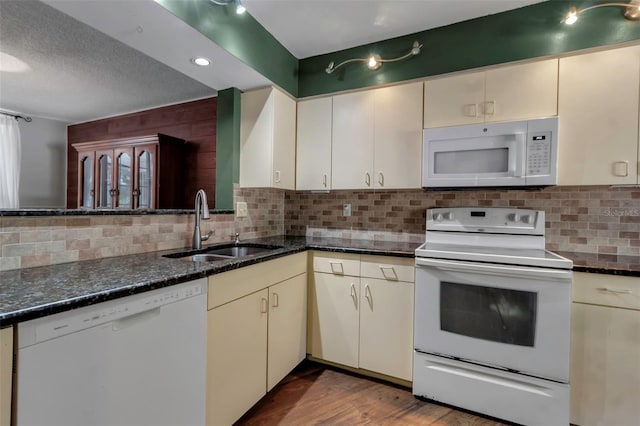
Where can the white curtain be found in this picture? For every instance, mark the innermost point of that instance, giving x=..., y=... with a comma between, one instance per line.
x=9, y=162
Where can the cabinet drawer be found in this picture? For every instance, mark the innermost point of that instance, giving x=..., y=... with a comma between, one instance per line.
x=607, y=290
x=337, y=263
x=388, y=268
x=228, y=286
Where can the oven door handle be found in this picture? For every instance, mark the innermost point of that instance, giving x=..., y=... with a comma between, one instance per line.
x=506, y=270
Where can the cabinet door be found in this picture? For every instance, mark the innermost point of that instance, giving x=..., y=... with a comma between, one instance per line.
x=284, y=141
x=520, y=92
x=334, y=318
x=386, y=327
x=598, y=111
x=6, y=369
x=124, y=177
x=452, y=101
x=145, y=182
x=256, y=138
x=287, y=328
x=237, y=357
x=313, y=159
x=398, y=136
x=352, y=151
x=605, y=366
x=86, y=176
x=104, y=179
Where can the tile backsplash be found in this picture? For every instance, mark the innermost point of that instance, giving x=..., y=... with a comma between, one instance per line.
x=46, y=240
x=595, y=219
x=589, y=219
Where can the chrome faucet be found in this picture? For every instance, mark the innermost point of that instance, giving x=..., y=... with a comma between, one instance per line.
x=201, y=207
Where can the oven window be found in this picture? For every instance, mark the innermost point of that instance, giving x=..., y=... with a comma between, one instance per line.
x=488, y=313
x=490, y=160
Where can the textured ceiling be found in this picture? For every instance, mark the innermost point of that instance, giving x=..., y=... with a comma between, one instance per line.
x=315, y=27
x=75, y=73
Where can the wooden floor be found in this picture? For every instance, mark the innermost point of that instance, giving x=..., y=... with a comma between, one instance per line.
x=315, y=394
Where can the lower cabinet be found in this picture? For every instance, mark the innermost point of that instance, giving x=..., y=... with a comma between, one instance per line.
x=256, y=333
x=6, y=369
x=605, y=350
x=361, y=312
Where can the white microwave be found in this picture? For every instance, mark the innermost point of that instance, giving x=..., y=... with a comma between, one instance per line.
x=517, y=153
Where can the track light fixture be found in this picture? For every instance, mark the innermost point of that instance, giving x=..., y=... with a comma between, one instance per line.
x=374, y=61
x=631, y=13
x=240, y=9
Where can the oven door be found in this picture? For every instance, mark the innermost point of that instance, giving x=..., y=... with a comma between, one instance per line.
x=511, y=317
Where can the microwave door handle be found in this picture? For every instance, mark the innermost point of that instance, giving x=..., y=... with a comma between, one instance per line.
x=504, y=270
x=520, y=155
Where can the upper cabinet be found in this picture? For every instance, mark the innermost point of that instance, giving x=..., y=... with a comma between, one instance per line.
x=132, y=173
x=598, y=110
x=313, y=158
x=377, y=138
x=267, y=139
x=516, y=92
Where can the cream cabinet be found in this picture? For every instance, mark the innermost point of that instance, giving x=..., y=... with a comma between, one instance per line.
x=377, y=138
x=267, y=139
x=515, y=92
x=361, y=312
x=313, y=144
x=6, y=369
x=605, y=350
x=256, y=333
x=598, y=110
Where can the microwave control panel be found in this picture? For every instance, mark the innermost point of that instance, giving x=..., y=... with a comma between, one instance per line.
x=539, y=154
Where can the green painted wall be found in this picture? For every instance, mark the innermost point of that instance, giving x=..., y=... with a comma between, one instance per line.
x=242, y=36
x=227, y=146
x=518, y=34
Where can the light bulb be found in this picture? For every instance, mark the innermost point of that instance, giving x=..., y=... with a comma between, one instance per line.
x=240, y=9
x=373, y=62
x=203, y=62
x=571, y=17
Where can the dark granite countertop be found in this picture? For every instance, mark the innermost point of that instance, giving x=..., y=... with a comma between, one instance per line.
x=604, y=263
x=35, y=292
x=99, y=212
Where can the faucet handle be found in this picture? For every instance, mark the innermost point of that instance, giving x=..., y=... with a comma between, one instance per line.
x=236, y=237
x=206, y=237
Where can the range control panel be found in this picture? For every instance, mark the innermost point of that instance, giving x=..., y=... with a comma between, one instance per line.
x=486, y=220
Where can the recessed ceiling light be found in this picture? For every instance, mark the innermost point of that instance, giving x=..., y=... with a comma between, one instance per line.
x=203, y=62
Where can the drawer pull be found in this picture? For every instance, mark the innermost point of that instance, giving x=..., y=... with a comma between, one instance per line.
x=614, y=290
x=263, y=305
x=354, y=295
x=336, y=268
x=368, y=295
x=389, y=273
x=276, y=300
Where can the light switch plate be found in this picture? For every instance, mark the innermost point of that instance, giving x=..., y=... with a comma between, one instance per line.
x=346, y=210
x=241, y=209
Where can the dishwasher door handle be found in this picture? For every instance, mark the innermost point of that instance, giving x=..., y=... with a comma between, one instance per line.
x=135, y=319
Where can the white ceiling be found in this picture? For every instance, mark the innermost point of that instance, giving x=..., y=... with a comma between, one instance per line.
x=90, y=59
x=315, y=27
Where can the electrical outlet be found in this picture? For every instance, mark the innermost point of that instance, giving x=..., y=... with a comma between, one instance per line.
x=346, y=210
x=241, y=209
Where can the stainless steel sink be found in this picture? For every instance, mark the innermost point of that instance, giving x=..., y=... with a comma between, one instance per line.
x=205, y=258
x=219, y=253
x=237, y=251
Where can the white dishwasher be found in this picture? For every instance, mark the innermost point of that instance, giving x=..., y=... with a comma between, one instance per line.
x=134, y=361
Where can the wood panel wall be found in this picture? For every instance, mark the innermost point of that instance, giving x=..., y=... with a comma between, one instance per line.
x=193, y=121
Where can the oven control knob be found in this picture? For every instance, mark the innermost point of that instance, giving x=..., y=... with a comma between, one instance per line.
x=448, y=216
x=514, y=217
x=437, y=217
x=527, y=219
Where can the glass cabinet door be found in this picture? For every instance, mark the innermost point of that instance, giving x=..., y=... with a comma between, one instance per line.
x=124, y=178
x=86, y=190
x=104, y=177
x=145, y=177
